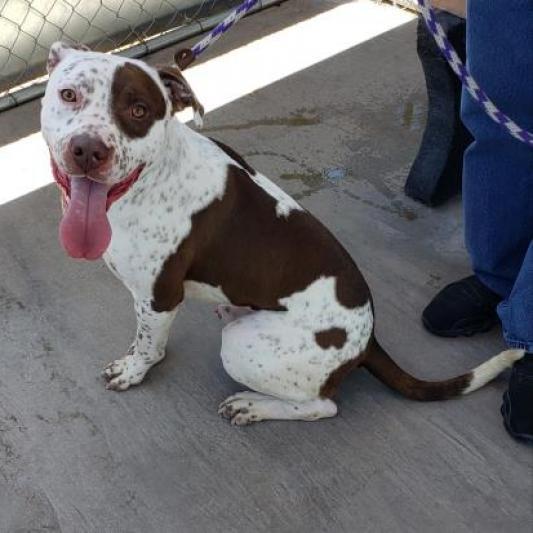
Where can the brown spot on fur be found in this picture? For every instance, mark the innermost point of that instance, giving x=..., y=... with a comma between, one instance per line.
x=350, y=289
x=132, y=85
x=238, y=243
x=333, y=337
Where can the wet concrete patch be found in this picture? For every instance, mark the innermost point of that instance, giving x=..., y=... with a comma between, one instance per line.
x=296, y=119
x=312, y=182
x=335, y=174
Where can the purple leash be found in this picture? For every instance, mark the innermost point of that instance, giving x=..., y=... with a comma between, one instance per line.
x=466, y=78
x=223, y=27
x=442, y=42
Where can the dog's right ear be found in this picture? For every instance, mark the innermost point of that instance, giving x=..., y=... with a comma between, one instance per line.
x=180, y=93
x=59, y=50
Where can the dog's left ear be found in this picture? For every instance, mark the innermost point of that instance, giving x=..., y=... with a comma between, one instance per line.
x=180, y=93
x=59, y=50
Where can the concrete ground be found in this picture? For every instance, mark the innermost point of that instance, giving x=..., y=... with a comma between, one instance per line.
x=75, y=457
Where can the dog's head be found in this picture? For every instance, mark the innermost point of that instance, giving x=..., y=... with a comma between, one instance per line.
x=105, y=119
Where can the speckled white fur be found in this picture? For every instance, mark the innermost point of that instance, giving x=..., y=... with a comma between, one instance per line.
x=274, y=353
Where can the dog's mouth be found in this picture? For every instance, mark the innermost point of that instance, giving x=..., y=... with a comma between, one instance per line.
x=85, y=232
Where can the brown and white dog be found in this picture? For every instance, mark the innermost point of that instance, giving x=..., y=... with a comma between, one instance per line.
x=176, y=215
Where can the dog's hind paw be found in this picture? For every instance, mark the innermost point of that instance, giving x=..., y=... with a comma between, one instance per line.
x=247, y=407
x=243, y=408
x=238, y=412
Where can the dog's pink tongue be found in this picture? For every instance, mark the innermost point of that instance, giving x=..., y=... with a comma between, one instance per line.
x=84, y=231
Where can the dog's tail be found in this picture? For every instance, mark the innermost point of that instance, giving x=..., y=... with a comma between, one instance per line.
x=381, y=365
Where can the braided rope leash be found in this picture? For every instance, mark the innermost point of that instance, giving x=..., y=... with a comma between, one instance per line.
x=442, y=42
x=466, y=78
x=223, y=27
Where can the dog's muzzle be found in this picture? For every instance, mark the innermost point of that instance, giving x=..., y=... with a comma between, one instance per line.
x=85, y=232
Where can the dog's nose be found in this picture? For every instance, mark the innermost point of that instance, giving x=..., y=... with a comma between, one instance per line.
x=89, y=153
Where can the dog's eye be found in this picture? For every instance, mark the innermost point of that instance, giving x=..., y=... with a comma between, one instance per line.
x=68, y=95
x=138, y=110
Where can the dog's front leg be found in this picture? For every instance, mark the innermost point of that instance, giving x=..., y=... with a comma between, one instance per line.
x=147, y=349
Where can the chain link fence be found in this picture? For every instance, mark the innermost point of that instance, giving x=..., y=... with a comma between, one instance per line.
x=133, y=27
x=136, y=27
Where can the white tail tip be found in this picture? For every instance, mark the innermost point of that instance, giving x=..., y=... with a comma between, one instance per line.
x=491, y=368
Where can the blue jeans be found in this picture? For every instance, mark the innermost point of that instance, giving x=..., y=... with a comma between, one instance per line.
x=498, y=169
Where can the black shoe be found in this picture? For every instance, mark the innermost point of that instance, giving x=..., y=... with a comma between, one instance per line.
x=462, y=309
x=517, y=406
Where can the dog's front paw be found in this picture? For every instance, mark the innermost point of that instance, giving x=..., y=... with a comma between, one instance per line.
x=122, y=373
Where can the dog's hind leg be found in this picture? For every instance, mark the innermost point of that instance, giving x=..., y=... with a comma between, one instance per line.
x=281, y=360
x=147, y=349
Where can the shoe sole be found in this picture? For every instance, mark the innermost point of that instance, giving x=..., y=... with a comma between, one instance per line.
x=523, y=437
x=484, y=327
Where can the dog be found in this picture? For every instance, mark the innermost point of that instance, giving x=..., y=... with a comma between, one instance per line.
x=175, y=215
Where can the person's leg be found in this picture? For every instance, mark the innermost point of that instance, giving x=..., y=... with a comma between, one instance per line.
x=497, y=172
x=498, y=169
x=516, y=314
x=498, y=194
